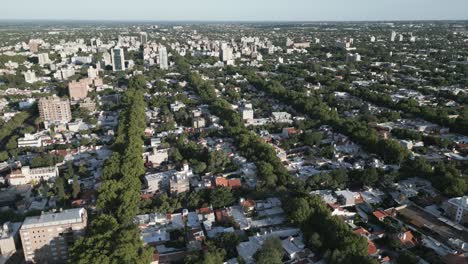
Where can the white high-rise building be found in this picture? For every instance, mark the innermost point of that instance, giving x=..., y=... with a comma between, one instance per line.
x=163, y=60
x=393, y=36
x=43, y=59
x=226, y=53
x=118, y=59
x=30, y=76
x=93, y=73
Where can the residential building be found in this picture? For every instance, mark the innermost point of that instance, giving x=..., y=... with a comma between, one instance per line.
x=393, y=36
x=353, y=57
x=457, y=209
x=8, y=240
x=118, y=59
x=30, y=76
x=157, y=182
x=93, y=73
x=88, y=104
x=78, y=90
x=43, y=59
x=47, y=238
x=30, y=141
x=143, y=38
x=54, y=110
x=27, y=175
x=247, y=112
x=179, y=181
x=199, y=122
x=163, y=59
x=226, y=53
x=33, y=46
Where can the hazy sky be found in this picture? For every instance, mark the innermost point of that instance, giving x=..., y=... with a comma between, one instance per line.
x=235, y=10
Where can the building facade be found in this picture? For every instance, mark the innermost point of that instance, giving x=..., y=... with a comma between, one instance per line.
x=47, y=238
x=118, y=59
x=27, y=175
x=457, y=209
x=54, y=110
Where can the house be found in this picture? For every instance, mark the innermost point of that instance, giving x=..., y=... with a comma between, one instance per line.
x=157, y=156
x=380, y=215
x=348, y=198
x=229, y=183
x=407, y=239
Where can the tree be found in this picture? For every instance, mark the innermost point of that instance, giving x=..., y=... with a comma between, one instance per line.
x=301, y=211
x=271, y=252
x=217, y=161
x=265, y=172
x=3, y=156
x=312, y=139
x=60, y=189
x=407, y=258
x=221, y=197
x=75, y=187
x=229, y=242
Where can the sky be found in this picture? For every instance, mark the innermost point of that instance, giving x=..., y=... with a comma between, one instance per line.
x=235, y=10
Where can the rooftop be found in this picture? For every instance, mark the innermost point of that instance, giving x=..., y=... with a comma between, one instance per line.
x=69, y=216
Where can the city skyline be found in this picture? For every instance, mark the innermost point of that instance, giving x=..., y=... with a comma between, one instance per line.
x=262, y=10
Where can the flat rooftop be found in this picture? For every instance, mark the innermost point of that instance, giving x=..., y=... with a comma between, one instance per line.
x=70, y=216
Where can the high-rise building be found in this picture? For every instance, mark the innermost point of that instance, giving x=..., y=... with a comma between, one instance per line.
x=9, y=238
x=33, y=46
x=118, y=59
x=163, y=60
x=393, y=36
x=353, y=57
x=93, y=73
x=143, y=38
x=30, y=76
x=226, y=53
x=55, y=110
x=457, y=209
x=43, y=58
x=47, y=238
x=78, y=90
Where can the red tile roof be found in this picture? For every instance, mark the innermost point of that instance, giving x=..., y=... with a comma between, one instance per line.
x=234, y=183
x=221, y=181
x=379, y=214
x=371, y=248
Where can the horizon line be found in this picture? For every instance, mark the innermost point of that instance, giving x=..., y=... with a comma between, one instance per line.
x=225, y=21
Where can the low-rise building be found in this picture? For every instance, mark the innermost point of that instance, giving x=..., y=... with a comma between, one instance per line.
x=30, y=141
x=27, y=175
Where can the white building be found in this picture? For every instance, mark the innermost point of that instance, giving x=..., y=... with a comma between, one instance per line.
x=157, y=156
x=27, y=175
x=457, y=209
x=30, y=141
x=8, y=240
x=393, y=36
x=247, y=112
x=163, y=58
x=43, y=59
x=226, y=53
x=93, y=73
x=30, y=76
x=353, y=57
x=158, y=181
x=281, y=117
